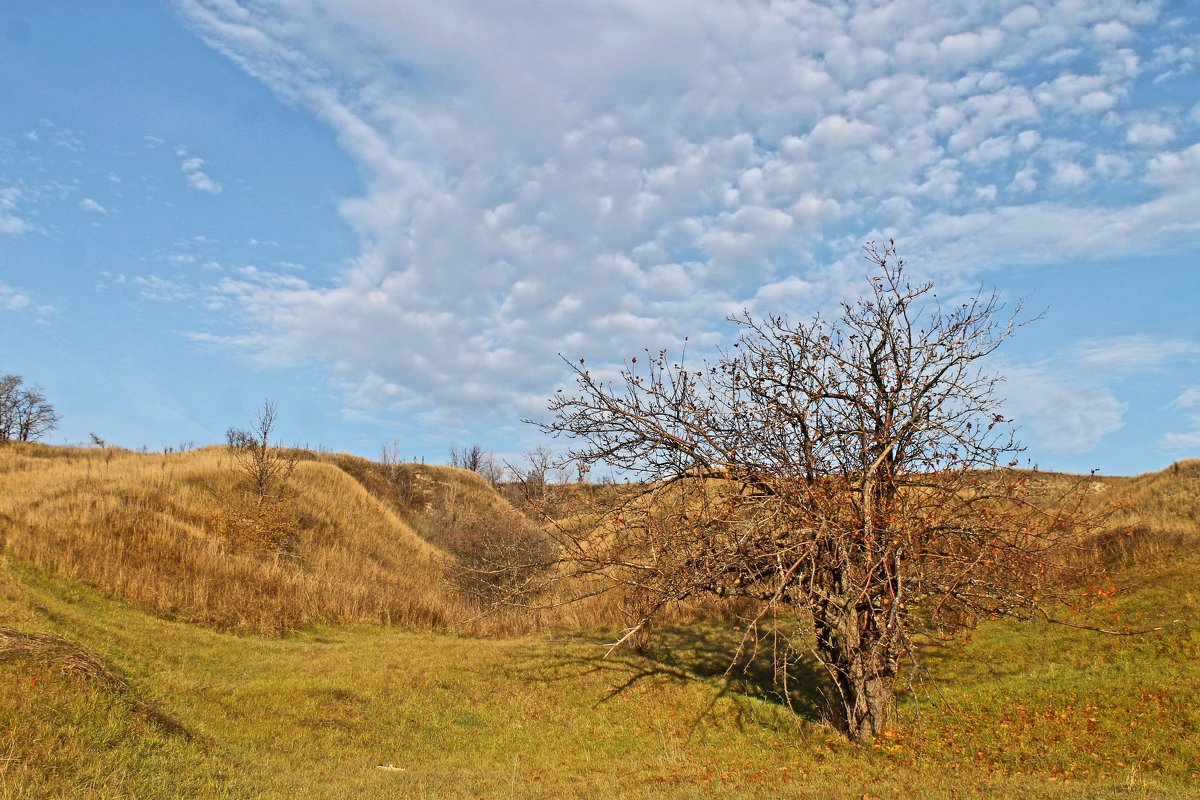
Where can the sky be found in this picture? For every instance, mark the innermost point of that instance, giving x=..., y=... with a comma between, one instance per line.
x=391, y=217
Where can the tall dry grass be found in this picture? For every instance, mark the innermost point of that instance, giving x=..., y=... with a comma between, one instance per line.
x=406, y=544
x=494, y=556
x=1122, y=521
x=1155, y=514
x=148, y=528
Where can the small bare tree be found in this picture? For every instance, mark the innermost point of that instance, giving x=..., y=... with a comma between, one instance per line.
x=470, y=458
x=853, y=475
x=533, y=472
x=392, y=461
x=266, y=470
x=25, y=413
x=476, y=459
x=265, y=467
x=10, y=389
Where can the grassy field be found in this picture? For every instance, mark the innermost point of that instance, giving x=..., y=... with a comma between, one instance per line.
x=138, y=700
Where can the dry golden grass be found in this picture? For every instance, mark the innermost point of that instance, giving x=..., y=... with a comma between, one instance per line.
x=1124, y=521
x=1156, y=513
x=1145, y=516
x=446, y=506
x=492, y=549
x=353, y=540
x=404, y=544
x=147, y=528
x=409, y=544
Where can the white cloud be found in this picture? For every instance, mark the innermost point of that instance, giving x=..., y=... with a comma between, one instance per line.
x=153, y=287
x=20, y=301
x=194, y=174
x=1175, y=442
x=1112, y=32
x=1069, y=175
x=1112, y=166
x=1150, y=133
x=10, y=223
x=1070, y=401
x=969, y=47
x=1024, y=181
x=1178, y=170
x=1188, y=398
x=996, y=148
x=90, y=205
x=1020, y=19
x=1081, y=94
x=1173, y=60
x=781, y=296
x=584, y=178
x=1065, y=415
x=13, y=299
x=1136, y=353
x=1027, y=140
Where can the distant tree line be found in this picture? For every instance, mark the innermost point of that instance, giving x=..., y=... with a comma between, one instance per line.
x=25, y=413
x=534, y=471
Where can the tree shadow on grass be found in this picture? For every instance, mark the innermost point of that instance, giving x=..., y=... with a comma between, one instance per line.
x=716, y=651
x=703, y=652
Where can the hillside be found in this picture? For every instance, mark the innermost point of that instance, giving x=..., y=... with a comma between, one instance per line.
x=408, y=544
x=1159, y=512
x=155, y=530
x=110, y=688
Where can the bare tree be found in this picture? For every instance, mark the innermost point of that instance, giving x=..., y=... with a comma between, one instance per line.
x=534, y=471
x=392, y=461
x=476, y=459
x=265, y=467
x=466, y=457
x=25, y=413
x=852, y=479
x=10, y=387
x=263, y=515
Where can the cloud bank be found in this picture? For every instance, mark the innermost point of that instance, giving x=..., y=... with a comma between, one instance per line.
x=546, y=177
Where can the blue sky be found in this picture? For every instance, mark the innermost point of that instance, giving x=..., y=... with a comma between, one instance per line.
x=391, y=216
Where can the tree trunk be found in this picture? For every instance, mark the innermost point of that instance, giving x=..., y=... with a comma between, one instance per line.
x=863, y=676
x=868, y=698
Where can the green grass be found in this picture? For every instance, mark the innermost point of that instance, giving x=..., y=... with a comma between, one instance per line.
x=1032, y=711
x=1074, y=704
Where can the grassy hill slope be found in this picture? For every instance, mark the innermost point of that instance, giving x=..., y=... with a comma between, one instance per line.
x=133, y=700
x=1021, y=712
x=147, y=528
